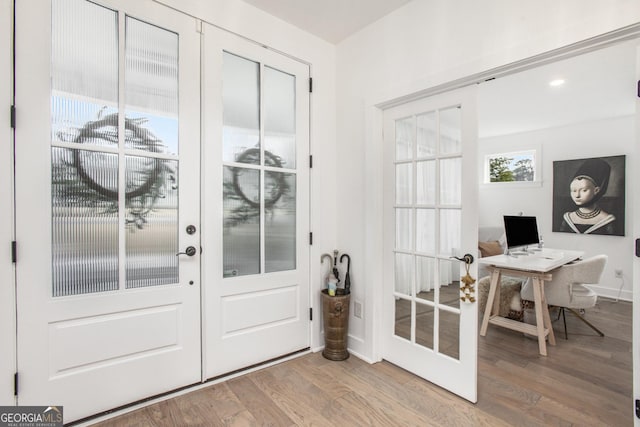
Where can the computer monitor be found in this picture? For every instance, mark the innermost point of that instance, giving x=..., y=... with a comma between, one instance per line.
x=521, y=231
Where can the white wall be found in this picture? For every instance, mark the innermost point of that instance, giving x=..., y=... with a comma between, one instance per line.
x=249, y=22
x=601, y=138
x=7, y=298
x=419, y=46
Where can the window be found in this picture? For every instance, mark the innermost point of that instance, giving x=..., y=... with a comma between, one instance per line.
x=511, y=167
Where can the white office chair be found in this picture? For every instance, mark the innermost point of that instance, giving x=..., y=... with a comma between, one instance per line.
x=567, y=288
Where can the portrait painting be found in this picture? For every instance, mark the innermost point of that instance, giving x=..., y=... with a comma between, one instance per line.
x=589, y=196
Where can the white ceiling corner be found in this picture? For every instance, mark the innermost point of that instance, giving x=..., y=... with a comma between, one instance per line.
x=331, y=20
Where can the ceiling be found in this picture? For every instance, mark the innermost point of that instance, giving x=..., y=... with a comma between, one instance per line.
x=598, y=85
x=331, y=20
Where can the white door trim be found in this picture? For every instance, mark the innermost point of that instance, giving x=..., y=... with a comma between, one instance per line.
x=7, y=268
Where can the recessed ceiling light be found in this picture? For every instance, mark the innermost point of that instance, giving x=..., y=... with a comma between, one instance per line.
x=556, y=82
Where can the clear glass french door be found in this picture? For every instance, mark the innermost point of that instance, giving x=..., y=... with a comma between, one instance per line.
x=107, y=202
x=430, y=202
x=255, y=203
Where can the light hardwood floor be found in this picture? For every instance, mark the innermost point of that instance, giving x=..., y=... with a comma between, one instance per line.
x=585, y=381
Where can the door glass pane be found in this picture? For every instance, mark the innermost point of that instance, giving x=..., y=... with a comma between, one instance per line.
x=404, y=139
x=241, y=214
x=151, y=88
x=152, y=222
x=451, y=181
x=404, y=227
x=404, y=274
x=280, y=117
x=450, y=236
x=426, y=182
x=84, y=68
x=280, y=221
x=84, y=222
x=427, y=132
x=450, y=131
x=404, y=183
x=424, y=325
x=241, y=110
x=449, y=334
x=426, y=230
x=403, y=318
x=84, y=184
x=425, y=272
x=449, y=282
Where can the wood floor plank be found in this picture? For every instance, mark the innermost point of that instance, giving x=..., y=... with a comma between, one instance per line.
x=258, y=403
x=584, y=381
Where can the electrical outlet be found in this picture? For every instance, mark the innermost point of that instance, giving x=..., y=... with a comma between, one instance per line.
x=357, y=309
x=618, y=274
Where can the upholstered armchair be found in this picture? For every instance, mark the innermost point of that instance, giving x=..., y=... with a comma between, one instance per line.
x=569, y=290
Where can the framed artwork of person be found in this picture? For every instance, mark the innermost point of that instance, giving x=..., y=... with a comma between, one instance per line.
x=589, y=196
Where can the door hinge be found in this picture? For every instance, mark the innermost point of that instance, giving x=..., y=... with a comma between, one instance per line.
x=13, y=117
x=311, y=238
x=14, y=251
x=310, y=162
x=310, y=313
x=638, y=89
x=15, y=384
x=310, y=84
x=638, y=408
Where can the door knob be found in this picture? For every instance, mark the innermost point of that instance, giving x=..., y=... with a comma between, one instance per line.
x=190, y=251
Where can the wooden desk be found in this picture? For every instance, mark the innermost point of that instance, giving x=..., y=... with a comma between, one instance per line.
x=539, y=267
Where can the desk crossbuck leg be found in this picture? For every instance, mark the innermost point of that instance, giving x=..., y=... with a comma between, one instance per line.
x=490, y=306
x=543, y=320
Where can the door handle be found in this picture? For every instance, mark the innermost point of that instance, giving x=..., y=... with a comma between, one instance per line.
x=467, y=258
x=190, y=251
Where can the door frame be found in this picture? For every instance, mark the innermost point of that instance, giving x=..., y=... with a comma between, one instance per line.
x=7, y=213
x=374, y=125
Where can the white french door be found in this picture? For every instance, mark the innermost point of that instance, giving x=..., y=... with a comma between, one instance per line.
x=430, y=206
x=255, y=203
x=107, y=185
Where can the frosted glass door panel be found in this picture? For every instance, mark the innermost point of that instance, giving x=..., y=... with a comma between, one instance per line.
x=241, y=110
x=260, y=213
x=280, y=222
x=151, y=88
x=84, y=235
x=84, y=64
x=241, y=206
x=280, y=116
x=85, y=110
x=152, y=240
